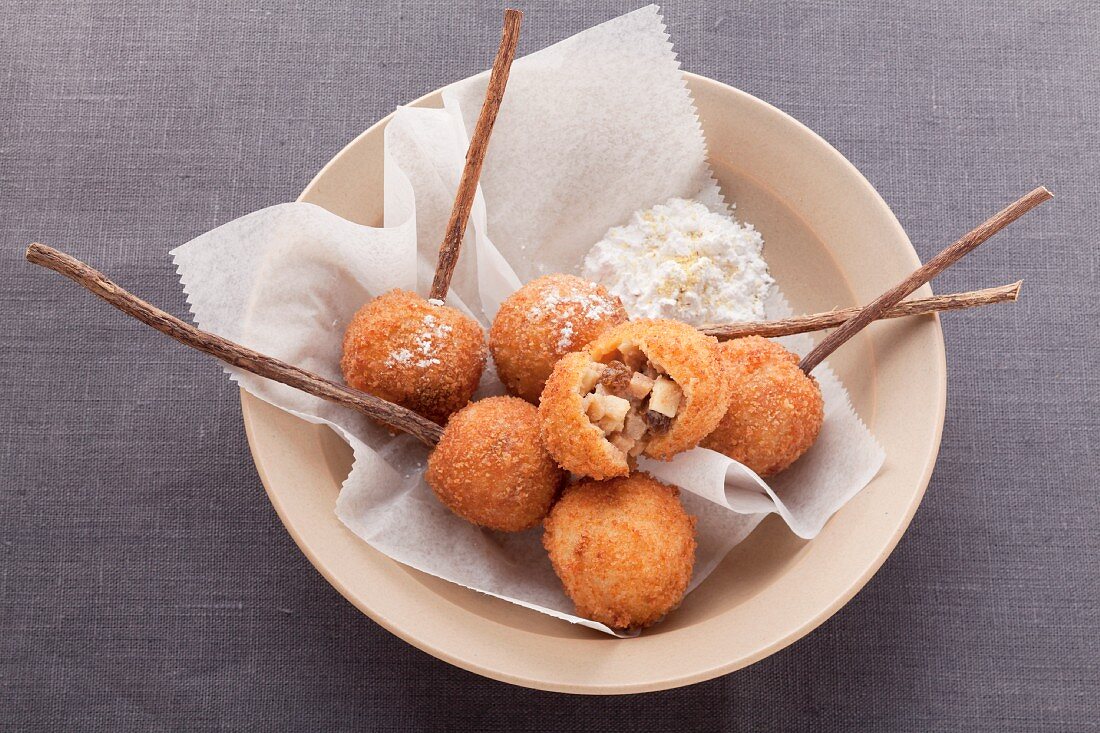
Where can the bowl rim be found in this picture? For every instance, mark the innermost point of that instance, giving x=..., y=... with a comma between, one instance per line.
x=252, y=422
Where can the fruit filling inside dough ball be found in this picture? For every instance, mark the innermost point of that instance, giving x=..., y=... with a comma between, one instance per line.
x=646, y=387
x=631, y=400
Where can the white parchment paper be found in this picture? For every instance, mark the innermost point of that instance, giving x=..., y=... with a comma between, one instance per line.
x=591, y=130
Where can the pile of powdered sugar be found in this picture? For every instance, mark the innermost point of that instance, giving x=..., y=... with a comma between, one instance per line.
x=683, y=261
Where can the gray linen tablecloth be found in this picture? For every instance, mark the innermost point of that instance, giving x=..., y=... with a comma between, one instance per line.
x=146, y=582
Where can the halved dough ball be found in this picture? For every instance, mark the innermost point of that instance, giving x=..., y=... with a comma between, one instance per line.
x=425, y=357
x=776, y=412
x=490, y=467
x=624, y=549
x=544, y=320
x=669, y=375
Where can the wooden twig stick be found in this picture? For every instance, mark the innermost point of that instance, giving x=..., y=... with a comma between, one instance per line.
x=834, y=318
x=475, y=155
x=923, y=274
x=232, y=353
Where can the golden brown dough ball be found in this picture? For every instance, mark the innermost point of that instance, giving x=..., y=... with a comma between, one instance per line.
x=544, y=320
x=624, y=549
x=652, y=387
x=490, y=467
x=422, y=356
x=776, y=411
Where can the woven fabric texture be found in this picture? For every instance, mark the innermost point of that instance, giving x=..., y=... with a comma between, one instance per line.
x=146, y=582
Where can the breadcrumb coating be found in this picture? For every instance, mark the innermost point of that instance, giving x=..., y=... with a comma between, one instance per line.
x=425, y=357
x=490, y=468
x=624, y=549
x=544, y=320
x=776, y=411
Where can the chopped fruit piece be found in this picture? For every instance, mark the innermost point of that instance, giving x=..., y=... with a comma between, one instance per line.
x=635, y=426
x=616, y=378
x=593, y=407
x=632, y=356
x=639, y=386
x=622, y=442
x=591, y=376
x=658, y=423
x=609, y=425
x=615, y=408
x=666, y=397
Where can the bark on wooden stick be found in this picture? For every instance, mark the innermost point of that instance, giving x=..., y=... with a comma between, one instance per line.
x=923, y=274
x=832, y=319
x=475, y=155
x=232, y=353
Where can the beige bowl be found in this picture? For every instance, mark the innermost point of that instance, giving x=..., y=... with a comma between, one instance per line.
x=831, y=241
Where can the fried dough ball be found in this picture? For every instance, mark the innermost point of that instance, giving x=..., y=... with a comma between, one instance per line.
x=776, y=411
x=490, y=467
x=544, y=320
x=422, y=356
x=652, y=387
x=624, y=549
